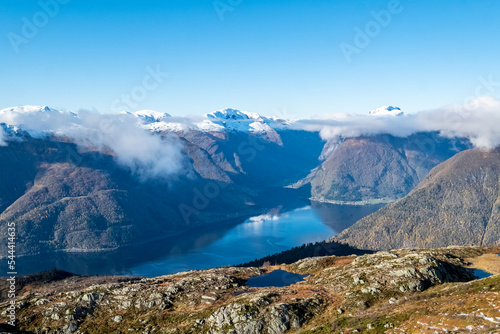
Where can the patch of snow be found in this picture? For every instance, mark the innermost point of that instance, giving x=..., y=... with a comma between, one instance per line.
x=167, y=127
x=208, y=126
x=33, y=110
x=232, y=114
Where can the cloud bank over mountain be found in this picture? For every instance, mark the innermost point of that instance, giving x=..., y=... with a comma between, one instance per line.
x=477, y=120
x=147, y=155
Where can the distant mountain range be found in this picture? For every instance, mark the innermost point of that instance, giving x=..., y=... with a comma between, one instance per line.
x=67, y=186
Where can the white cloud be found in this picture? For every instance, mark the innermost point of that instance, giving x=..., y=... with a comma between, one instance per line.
x=147, y=155
x=477, y=120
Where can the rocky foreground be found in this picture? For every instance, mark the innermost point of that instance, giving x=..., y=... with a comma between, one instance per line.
x=401, y=291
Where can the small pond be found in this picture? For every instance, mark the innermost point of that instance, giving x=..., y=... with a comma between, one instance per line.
x=481, y=273
x=277, y=278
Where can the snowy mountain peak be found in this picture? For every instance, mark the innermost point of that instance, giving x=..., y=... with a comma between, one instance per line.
x=244, y=121
x=151, y=116
x=38, y=121
x=387, y=111
x=233, y=114
x=35, y=121
x=33, y=109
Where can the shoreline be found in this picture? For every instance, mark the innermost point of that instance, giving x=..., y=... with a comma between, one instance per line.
x=355, y=203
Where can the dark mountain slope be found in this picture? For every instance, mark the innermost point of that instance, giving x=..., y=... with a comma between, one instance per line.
x=458, y=203
x=252, y=161
x=378, y=168
x=63, y=199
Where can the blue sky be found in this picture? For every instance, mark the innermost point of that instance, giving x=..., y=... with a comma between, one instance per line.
x=271, y=57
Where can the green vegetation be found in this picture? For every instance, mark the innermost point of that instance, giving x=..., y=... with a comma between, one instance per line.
x=307, y=250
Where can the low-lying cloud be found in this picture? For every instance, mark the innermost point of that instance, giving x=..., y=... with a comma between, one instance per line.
x=477, y=120
x=147, y=155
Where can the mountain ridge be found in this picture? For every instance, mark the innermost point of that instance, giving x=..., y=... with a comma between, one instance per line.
x=456, y=204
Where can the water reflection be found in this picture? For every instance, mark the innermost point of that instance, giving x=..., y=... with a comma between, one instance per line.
x=226, y=243
x=339, y=217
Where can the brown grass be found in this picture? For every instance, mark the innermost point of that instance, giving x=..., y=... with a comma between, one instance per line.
x=487, y=262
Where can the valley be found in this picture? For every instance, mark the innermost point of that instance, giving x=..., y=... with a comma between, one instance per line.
x=247, y=195
x=75, y=193
x=249, y=167
x=256, y=237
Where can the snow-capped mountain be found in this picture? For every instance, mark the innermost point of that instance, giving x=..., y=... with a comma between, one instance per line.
x=36, y=121
x=33, y=110
x=387, y=111
x=229, y=115
x=237, y=120
x=232, y=114
x=91, y=170
x=151, y=115
x=217, y=121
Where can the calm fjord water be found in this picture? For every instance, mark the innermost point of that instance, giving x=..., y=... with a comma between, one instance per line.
x=253, y=238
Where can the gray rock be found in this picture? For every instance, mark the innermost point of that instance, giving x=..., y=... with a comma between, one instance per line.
x=209, y=298
x=125, y=305
x=407, y=272
x=117, y=318
x=358, y=281
x=416, y=286
x=371, y=290
x=70, y=328
x=41, y=301
x=91, y=297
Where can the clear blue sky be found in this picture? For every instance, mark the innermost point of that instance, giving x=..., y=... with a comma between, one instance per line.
x=271, y=57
